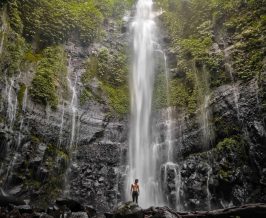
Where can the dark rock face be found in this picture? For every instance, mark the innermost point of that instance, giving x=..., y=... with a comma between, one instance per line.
x=231, y=170
x=37, y=161
x=96, y=170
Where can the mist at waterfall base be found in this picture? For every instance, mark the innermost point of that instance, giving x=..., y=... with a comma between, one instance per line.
x=146, y=161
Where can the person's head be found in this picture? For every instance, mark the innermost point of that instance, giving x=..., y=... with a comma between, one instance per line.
x=136, y=180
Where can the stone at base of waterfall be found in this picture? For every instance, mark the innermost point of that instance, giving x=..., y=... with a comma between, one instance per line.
x=71, y=204
x=126, y=210
x=78, y=215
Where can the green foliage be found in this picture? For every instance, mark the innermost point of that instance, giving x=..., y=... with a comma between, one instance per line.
x=50, y=77
x=194, y=26
x=53, y=151
x=13, y=52
x=118, y=98
x=62, y=18
x=15, y=16
x=234, y=145
x=55, y=21
x=32, y=57
x=21, y=94
x=111, y=70
x=227, y=144
x=113, y=8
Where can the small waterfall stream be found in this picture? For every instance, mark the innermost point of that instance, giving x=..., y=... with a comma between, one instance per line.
x=230, y=70
x=60, y=137
x=23, y=110
x=12, y=101
x=74, y=101
x=170, y=167
x=72, y=78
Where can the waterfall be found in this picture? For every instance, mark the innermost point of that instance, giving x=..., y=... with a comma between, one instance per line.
x=12, y=101
x=23, y=108
x=73, y=103
x=205, y=122
x=61, y=126
x=229, y=68
x=141, y=161
x=170, y=166
x=207, y=187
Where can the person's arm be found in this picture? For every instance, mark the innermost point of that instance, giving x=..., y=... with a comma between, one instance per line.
x=138, y=188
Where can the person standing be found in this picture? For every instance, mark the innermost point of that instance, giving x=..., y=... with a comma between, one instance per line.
x=135, y=191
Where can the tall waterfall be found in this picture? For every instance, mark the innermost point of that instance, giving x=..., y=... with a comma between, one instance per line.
x=141, y=161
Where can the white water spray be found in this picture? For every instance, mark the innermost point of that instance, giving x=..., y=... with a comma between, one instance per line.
x=141, y=160
x=61, y=126
x=73, y=103
x=23, y=108
x=230, y=69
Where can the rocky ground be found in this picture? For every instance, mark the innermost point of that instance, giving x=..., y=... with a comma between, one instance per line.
x=10, y=207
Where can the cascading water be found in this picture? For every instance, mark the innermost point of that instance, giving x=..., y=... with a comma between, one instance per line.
x=141, y=161
x=24, y=107
x=73, y=109
x=61, y=126
x=170, y=167
x=229, y=68
x=207, y=187
x=73, y=103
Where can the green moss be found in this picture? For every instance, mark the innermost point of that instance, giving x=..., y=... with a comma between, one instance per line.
x=21, y=93
x=235, y=145
x=224, y=175
x=194, y=26
x=91, y=70
x=53, y=151
x=225, y=128
x=111, y=70
x=50, y=77
x=118, y=98
x=85, y=96
x=15, y=16
x=32, y=57
x=227, y=143
x=13, y=52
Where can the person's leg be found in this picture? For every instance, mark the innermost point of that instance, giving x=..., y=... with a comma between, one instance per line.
x=137, y=196
x=133, y=197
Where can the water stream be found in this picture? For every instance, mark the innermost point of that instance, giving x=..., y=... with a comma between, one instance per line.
x=141, y=160
x=23, y=111
x=60, y=137
x=72, y=79
x=229, y=68
x=74, y=100
x=148, y=158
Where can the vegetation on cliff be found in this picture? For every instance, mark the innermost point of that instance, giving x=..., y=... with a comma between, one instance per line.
x=35, y=33
x=215, y=42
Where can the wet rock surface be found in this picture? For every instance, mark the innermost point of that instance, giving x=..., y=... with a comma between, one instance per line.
x=230, y=170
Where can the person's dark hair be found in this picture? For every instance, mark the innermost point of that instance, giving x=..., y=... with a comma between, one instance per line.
x=136, y=180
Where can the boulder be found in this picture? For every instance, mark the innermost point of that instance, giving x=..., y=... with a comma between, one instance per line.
x=126, y=210
x=72, y=205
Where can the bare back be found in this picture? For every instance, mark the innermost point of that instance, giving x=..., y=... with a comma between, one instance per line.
x=135, y=187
